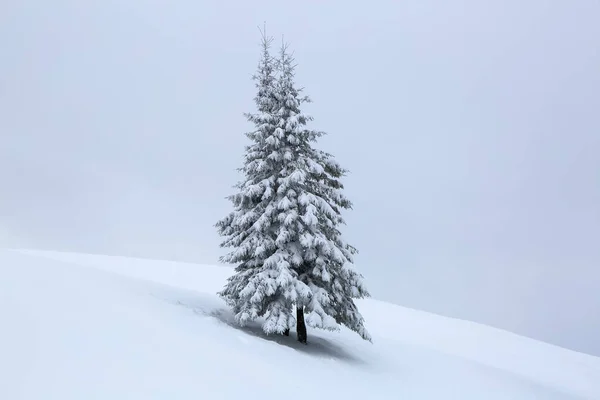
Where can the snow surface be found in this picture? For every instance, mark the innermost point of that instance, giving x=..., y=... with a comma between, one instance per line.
x=76, y=326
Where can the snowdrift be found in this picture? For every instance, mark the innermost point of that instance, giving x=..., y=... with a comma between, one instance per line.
x=77, y=326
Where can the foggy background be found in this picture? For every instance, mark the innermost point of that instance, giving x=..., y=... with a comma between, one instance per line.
x=471, y=129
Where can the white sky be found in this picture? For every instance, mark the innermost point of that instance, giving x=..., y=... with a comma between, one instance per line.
x=472, y=130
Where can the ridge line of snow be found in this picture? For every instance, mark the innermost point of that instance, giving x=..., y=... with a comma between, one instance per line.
x=479, y=343
x=65, y=256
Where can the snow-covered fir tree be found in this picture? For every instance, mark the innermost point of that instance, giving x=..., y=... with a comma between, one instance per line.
x=285, y=227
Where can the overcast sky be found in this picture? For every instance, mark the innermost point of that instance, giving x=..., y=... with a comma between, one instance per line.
x=471, y=129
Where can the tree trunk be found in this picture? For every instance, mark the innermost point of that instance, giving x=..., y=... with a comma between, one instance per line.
x=286, y=332
x=300, y=325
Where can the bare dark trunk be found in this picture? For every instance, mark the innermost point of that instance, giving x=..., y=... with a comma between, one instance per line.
x=286, y=332
x=300, y=325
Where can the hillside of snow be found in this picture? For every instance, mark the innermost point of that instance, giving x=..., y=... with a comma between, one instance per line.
x=76, y=326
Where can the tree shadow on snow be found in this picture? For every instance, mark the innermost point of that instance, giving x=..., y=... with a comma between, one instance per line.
x=317, y=346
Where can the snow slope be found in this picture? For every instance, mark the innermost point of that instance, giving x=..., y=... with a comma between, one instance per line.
x=77, y=326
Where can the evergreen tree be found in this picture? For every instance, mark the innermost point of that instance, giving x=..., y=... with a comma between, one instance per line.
x=287, y=214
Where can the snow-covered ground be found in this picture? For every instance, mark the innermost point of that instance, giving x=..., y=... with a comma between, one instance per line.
x=75, y=326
